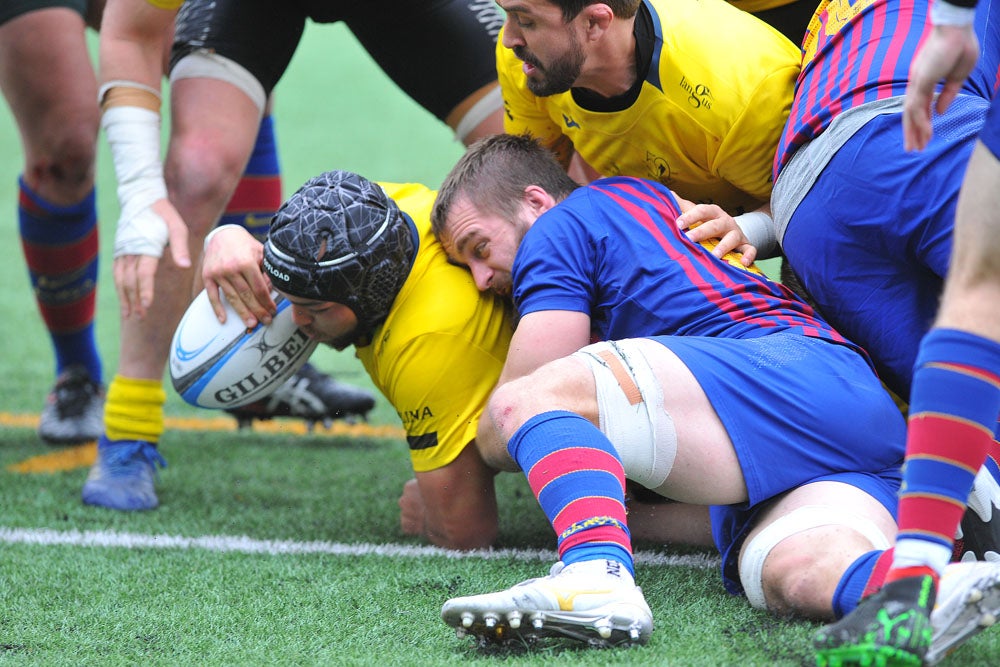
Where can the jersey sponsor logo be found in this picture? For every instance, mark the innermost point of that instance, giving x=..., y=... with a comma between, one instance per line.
x=658, y=168
x=506, y=110
x=827, y=20
x=412, y=417
x=699, y=95
x=425, y=441
x=570, y=123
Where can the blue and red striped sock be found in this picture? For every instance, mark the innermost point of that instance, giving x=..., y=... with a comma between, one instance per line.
x=578, y=479
x=258, y=194
x=953, y=413
x=60, y=245
x=862, y=578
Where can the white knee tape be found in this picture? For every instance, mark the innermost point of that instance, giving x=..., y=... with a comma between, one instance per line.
x=630, y=402
x=798, y=520
x=207, y=65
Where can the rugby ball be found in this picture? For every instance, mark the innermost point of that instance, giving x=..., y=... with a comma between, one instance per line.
x=214, y=365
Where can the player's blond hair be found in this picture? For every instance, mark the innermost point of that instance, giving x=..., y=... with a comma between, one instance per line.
x=493, y=174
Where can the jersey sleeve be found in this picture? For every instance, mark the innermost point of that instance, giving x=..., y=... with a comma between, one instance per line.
x=554, y=268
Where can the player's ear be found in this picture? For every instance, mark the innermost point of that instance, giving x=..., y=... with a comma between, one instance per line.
x=597, y=19
x=538, y=200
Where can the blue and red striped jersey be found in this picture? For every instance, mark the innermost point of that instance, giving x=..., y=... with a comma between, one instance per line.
x=855, y=51
x=613, y=250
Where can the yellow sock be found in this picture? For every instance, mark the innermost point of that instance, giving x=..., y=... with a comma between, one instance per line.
x=133, y=409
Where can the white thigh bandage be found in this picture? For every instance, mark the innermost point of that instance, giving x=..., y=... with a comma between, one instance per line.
x=798, y=520
x=632, y=416
x=480, y=111
x=207, y=65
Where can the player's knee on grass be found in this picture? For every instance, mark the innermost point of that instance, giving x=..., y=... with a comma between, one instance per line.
x=794, y=564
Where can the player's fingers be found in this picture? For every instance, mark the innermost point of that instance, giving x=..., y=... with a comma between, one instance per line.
x=146, y=281
x=212, y=291
x=259, y=288
x=917, y=108
x=120, y=272
x=728, y=242
x=749, y=254
x=699, y=214
x=179, y=246
x=948, y=94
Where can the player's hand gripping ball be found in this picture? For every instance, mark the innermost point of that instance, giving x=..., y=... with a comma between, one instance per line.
x=215, y=365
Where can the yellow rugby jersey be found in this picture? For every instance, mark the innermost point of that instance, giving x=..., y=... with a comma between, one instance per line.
x=759, y=5
x=166, y=4
x=439, y=353
x=708, y=116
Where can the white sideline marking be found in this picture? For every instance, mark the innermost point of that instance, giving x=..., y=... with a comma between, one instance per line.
x=243, y=544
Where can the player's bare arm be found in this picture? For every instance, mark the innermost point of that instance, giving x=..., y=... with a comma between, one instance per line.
x=458, y=502
x=134, y=37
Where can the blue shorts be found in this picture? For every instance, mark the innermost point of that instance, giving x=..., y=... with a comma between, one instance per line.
x=871, y=240
x=990, y=134
x=798, y=410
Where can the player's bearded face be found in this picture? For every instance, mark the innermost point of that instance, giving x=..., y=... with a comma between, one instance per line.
x=329, y=323
x=558, y=75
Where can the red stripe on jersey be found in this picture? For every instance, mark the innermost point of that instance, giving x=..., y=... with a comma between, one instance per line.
x=755, y=303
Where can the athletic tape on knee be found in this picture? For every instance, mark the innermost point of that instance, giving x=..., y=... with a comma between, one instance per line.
x=480, y=111
x=798, y=520
x=630, y=406
x=207, y=65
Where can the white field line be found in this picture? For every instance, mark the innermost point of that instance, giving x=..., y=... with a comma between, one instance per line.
x=243, y=544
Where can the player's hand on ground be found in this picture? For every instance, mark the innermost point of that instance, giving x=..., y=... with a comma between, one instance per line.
x=139, y=243
x=231, y=265
x=411, y=509
x=708, y=221
x=949, y=53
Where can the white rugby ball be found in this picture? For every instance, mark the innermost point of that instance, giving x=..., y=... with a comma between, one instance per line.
x=215, y=365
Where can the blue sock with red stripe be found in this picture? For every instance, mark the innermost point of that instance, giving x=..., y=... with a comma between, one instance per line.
x=60, y=245
x=862, y=578
x=258, y=194
x=578, y=479
x=953, y=413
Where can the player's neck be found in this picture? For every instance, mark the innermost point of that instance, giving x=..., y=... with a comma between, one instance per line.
x=610, y=68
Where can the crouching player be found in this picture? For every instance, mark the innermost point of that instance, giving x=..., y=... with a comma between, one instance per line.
x=708, y=376
x=359, y=264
